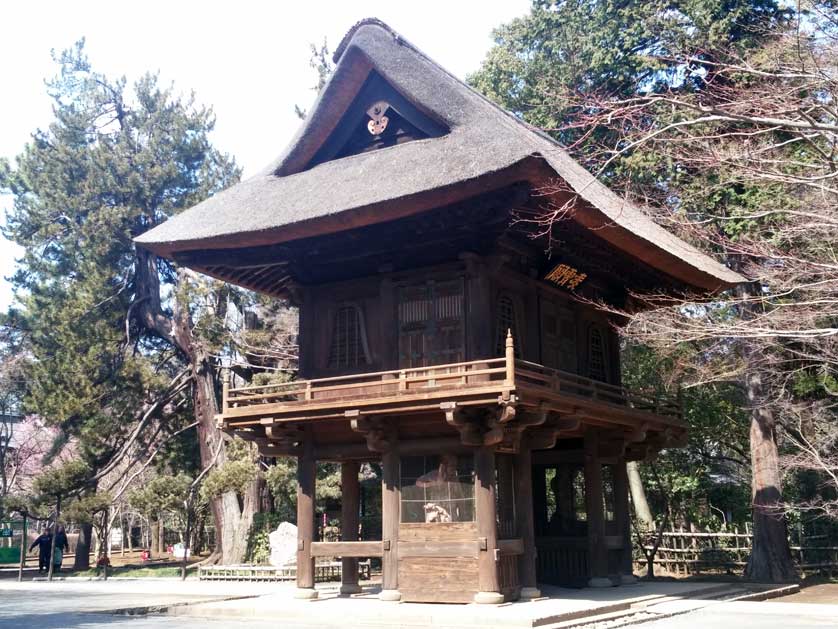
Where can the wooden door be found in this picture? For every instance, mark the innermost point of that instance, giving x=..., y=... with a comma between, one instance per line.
x=558, y=336
x=431, y=324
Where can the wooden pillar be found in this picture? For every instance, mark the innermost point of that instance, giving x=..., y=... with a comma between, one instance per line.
x=623, y=517
x=349, y=504
x=487, y=527
x=390, y=506
x=597, y=552
x=306, y=471
x=525, y=519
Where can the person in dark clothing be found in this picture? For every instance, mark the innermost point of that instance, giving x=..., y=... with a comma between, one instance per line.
x=61, y=547
x=43, y=542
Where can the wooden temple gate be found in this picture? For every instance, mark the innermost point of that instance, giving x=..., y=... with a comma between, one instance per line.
x=527, y=485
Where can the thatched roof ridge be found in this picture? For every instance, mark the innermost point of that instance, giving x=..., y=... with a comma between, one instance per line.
x=483, y=139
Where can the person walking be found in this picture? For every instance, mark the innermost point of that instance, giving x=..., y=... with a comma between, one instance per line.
x=43, y=542
x=61, y=546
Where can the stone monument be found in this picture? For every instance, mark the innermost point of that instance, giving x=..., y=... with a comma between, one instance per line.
x=283, y=542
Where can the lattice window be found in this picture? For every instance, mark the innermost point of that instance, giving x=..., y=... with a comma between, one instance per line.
x=431, y=326
x=437, y=489
x=348, y=347
x=596, y=354
x=507, y=320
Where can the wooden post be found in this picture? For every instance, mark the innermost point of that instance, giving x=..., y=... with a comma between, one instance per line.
x=24, y=546
x=390, y=509
x=510, y=360
x=349, y=503
x=623, y=518
x=306, y=470
x=487, y=527
x=597, y=552
x=524, y=516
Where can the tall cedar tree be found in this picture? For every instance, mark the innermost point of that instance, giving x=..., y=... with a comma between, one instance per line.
x=113, y=330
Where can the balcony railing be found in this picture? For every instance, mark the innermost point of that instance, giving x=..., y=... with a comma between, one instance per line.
x=423, y=388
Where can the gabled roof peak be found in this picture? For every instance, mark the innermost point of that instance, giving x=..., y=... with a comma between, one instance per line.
x=367, y=21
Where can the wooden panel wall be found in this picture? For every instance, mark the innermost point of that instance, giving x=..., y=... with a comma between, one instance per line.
x=451, y=579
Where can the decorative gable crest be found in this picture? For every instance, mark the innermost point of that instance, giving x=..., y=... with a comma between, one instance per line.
x=378, y=117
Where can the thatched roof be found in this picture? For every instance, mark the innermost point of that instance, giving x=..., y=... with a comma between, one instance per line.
x=289, y=200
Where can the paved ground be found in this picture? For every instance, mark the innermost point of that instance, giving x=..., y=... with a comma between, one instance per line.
x=825, y=593
x=85, y=605
x=752, y=615
x=73, y=604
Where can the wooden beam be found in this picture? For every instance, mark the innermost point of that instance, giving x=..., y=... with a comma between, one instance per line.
x=347, y=550
x=513, y=546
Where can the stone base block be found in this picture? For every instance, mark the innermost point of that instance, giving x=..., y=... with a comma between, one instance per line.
x=600, y=582
x=628, y=579
x=389, y=595
x=305, y=593
x=350, y=588
x=528, y=593
x=488, y=598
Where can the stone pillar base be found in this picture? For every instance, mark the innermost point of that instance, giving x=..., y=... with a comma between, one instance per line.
x=305, y=593
x=530, y=592
x=389, y=595
x=488, y=598
x=628, y=579
x=600, y=582
x=350, y=588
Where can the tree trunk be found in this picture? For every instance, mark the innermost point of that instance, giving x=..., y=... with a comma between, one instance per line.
x=82, y=557
x=232, y=522
x=770, y=559
x=638, y=498
x=154, y=534
x=161, y=537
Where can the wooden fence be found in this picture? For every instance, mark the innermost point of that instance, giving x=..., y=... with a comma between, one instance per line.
x=683, y=553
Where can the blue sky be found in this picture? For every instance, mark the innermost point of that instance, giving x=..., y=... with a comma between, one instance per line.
x=248, y=60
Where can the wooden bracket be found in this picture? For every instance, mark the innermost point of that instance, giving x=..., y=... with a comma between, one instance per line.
x=375, y=430
x=284, y=434
x=639, y=433
x=466, y=425
x=507, y=409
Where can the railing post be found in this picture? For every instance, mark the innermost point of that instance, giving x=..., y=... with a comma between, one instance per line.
x=510, y=359
x=402, y=380
x=308, y=390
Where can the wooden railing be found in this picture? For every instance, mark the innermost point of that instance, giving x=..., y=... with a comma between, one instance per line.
x=566, y=383
x=490, y=376
x=402, y=382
